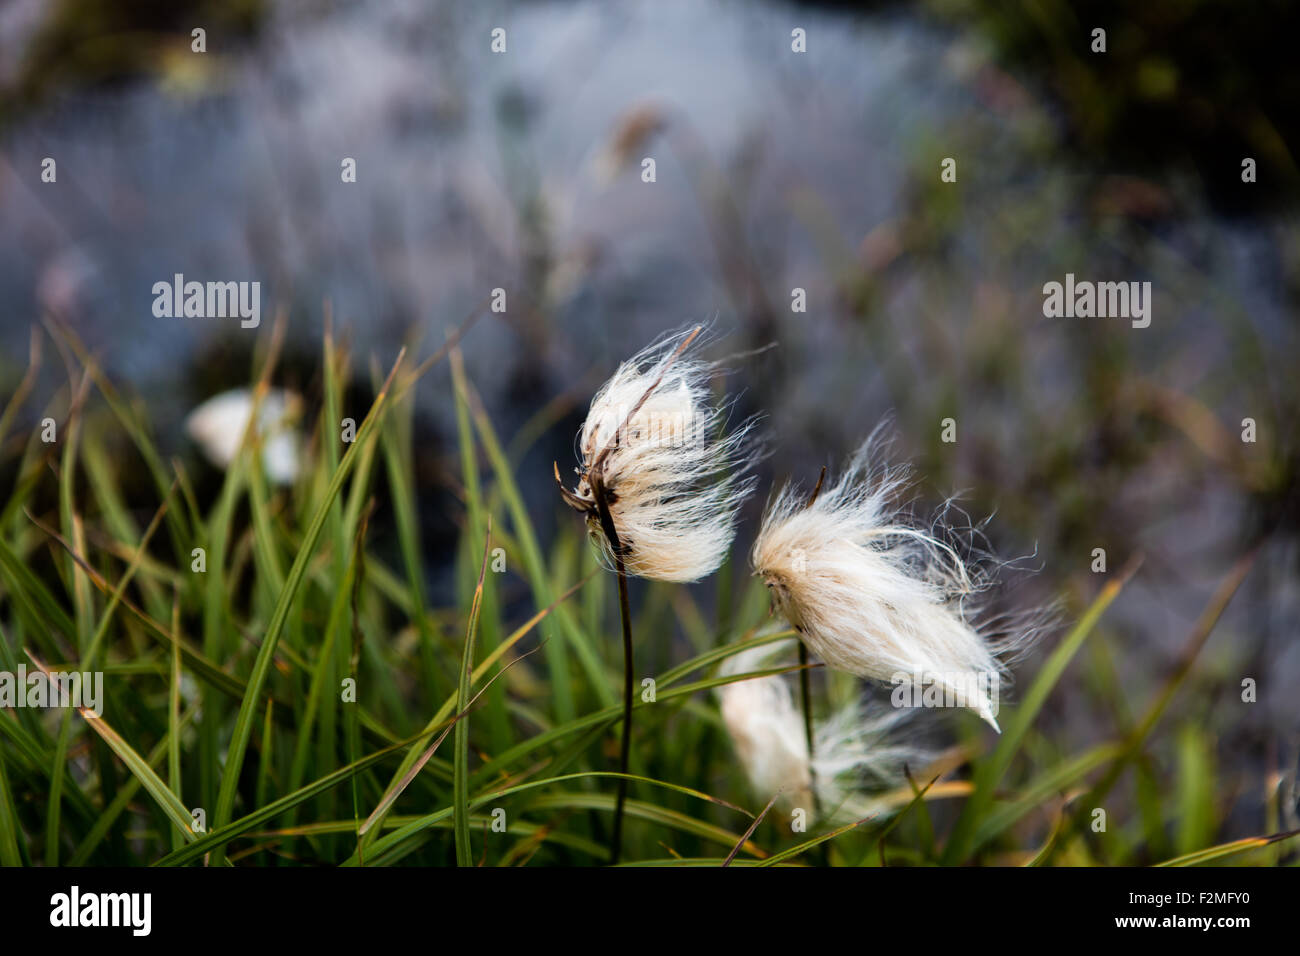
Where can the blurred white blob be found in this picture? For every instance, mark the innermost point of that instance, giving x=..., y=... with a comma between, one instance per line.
x=218, y=426
x=853, y=752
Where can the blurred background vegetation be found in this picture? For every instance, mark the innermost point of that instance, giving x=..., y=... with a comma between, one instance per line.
x=774, y=171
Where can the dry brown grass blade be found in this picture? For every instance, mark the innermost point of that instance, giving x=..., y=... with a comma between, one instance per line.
x=735, y=850
x=25, y=386
x=599, y=461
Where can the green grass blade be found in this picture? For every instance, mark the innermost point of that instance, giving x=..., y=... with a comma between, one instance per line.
x=1134, y=743
x=990, y=772
x=221, y=836
x=564, y=632
x=807, y=845
x=105, y=820
x=1210, y=854
x=248, y=708
x=651, y=813
x=169, y=803
x=461, y=766
x=9, y=829
x=390, y=847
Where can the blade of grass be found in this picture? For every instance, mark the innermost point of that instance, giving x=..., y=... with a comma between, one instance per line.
x=495, y=715
x=1133, y=744
x=396, y=790
x=1196, y=816
x=1212, y=853
x=153, y=784
x=740, y=844
x=25, y=385
x=136, y=430
x=9, y=829
x=174, y=715
x=89, y=653
x=460, y=782
x=236, y=828
x=32, y=599
x=396, y=442
x=388, y=847
x=105, y=820
x=990, y=772
x=918, y=800
x=1052, y=782
x=608, y=714
x=449, y=705
x=569, y=634
x=651, y=813
x=262, y=664
x=807, y=845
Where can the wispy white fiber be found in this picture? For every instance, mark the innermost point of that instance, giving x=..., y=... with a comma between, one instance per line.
x=874, y=593
x=855, y=750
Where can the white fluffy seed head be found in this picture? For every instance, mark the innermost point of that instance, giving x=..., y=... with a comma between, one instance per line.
x=855, y=751
x=874, y=594
x=674, y=478
x=218, y=426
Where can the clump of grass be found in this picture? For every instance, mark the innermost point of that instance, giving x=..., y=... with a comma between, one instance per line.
x=293, y=690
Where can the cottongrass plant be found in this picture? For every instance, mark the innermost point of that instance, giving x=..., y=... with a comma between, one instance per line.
x=660, y=483
x=294, y=753
x=857, y=750
x=874, y=593
x=653, y=442
x=218, y=426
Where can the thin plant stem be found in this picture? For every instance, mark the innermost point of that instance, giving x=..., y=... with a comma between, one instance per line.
x=625, y=747
x=805, y=691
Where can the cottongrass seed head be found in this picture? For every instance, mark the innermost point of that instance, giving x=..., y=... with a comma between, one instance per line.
x=656, y=443
x=218, y=425
x=875, y=594
x=856, y=751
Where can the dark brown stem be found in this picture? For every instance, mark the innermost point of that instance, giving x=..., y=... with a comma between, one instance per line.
x=811, y=498
x=625, y=747
x=805, y=680
x=805, y=691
